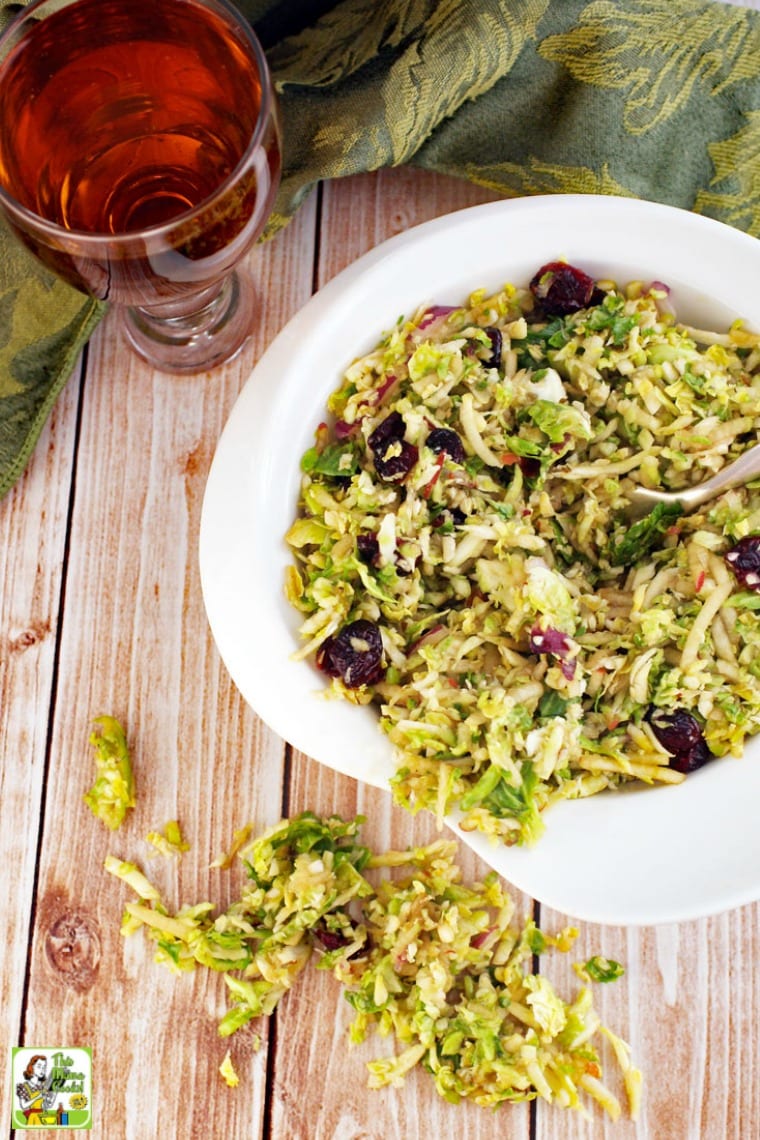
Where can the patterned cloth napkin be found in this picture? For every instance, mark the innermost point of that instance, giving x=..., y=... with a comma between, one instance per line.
x=656, y=99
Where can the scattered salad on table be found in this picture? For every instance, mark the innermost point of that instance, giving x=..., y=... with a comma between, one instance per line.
x=464, y=563
x=438, y=965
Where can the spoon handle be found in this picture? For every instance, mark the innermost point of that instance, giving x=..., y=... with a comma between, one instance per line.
x=742, y=470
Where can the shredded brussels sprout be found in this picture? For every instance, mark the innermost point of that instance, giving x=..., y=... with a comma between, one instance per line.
x=440, y=965
x=170, y=841
x=468, y=499
x=599, y=969
x=228, y=1072
x=113, y=792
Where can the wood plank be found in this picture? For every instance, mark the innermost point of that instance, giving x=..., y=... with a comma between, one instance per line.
x=135, y=644
x=358, y=213
x=689, y=1005
x=33, y=519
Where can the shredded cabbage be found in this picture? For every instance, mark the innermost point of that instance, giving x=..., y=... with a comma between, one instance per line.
x=528, y=629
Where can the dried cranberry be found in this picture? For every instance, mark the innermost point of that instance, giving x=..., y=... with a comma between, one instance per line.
x=388, y=430
x=333, y=940
x=368, y=552
x=495, y=337
x=368, y=548
x=744, y=560
x=689, y=761
x=330, y=939
x=394, y=466
x=354, y=653
x=561, y=289
x=528, y=464
x=680, y=733
x=447, y=441
x=453, y=515
x=676, y=730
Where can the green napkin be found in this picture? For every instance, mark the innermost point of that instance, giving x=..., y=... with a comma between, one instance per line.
x=656, y=99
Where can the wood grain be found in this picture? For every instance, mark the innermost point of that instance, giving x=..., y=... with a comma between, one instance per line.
x=33, y=527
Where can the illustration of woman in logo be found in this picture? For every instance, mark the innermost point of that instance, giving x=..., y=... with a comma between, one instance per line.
x=34, y=1093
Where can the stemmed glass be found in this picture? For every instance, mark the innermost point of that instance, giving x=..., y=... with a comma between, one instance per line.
x=139, y=159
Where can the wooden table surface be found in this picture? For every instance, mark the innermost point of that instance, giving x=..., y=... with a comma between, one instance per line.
x=101, y=612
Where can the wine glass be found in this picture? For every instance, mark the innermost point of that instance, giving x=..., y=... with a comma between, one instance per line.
x=139, y=159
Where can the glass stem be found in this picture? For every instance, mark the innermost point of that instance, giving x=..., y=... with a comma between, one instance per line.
x=196, y=333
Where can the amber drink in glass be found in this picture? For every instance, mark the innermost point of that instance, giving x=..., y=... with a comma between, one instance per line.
x=139, y=159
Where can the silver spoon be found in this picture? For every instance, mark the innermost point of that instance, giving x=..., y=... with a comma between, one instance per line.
x=746, y=467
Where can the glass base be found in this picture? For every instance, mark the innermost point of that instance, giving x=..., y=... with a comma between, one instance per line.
x=173, y=339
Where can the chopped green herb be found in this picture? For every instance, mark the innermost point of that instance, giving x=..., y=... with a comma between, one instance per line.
x=552, y=704
x=333, y=460
x=608, y=317
x=643, y=534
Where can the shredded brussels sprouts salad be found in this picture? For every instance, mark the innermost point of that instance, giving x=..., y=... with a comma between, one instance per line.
x=464, y=563
x=113, y=792
x=440, y=966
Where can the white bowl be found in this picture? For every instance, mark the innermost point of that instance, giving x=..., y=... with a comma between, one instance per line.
x=634, y=857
